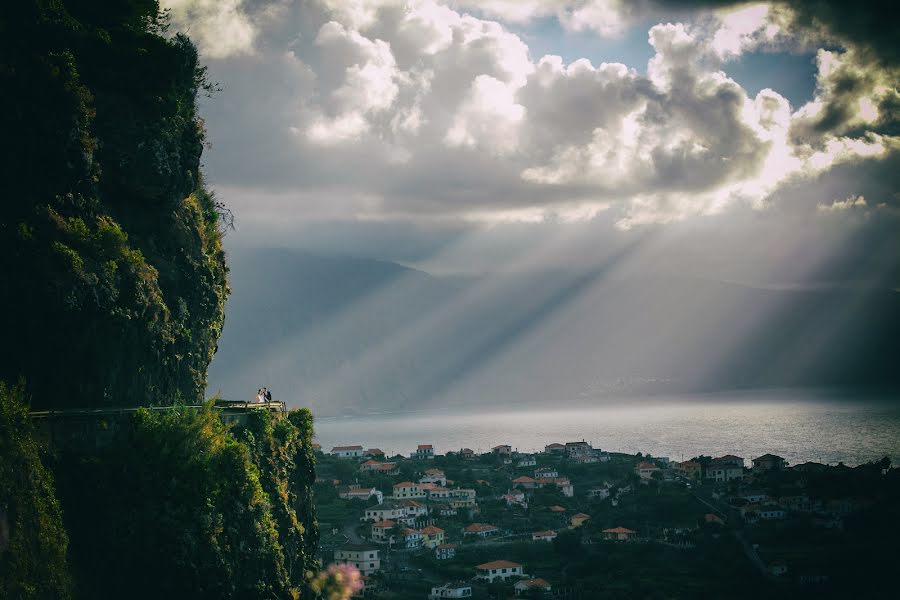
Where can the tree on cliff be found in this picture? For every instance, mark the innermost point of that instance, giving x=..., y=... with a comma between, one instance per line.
x=33, y=542
x=110, y=247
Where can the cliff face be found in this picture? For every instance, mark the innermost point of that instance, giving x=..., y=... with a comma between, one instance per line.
x=114, y=285
x=179, y=504
x=109, y=243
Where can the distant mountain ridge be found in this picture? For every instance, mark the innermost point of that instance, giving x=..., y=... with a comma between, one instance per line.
x=359, y=336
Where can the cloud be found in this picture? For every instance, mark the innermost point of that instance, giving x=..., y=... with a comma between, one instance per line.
x=421, y=110
x=852, y=202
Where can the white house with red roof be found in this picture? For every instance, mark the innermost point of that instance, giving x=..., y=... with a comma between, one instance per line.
x=413, y=508
x=347, y=451
x=389, y=511
x=619, y=534
x=555, y=448
x=498, y=569
x=423, y=452
x=645, y=470
x=525, y=482
x=406, y=490
x=354, y=492
x=434, y=476
x=381, y=531
x=482, y=530
x=543, y=536
x=528, y=585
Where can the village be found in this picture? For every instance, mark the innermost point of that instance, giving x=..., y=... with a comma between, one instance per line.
x=574, y=521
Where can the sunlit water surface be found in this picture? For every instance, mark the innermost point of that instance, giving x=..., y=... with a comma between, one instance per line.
x=799, y=427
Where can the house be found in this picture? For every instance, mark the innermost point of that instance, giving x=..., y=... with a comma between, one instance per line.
x=413, y=508
x=438, y=493
x=554, y=449
x=445, y=510
x=531, y=585
x=729, y=459
x=462, y=498
x=619, y=534
x=768, y=462
x=690, y=469
x=384, y=468
x=481, y=530
x=373, y=453
x=434, y=476
x=556, y=509
x=407, y=489
x=502, y=449
x=724, y=472
x=577, y=520
x=563, y=484
x=432, y=536
x=358, y=493
x=388, y=511
x=516, y=498
x=445, y=551
x=526, y=461
x=347, y=451
x=585, y=459
x=381, y=531
x=423, y=452
x=645, y=470
x=543, y=536
x=467, y=453
x=317, y=447
x=546, y=473
x=498, y=569
x=408, y=539
x=363, y=556
x=771, y=512
x=601, y=493
x=755, y=497
x=525, y=482
x=576, y=449
x=459, y=589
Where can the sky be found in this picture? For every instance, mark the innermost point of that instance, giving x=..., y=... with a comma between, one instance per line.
x=747, y=142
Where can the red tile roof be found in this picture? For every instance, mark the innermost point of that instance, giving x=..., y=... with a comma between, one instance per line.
x=336, y=448
x=618, y=530
x=537, y=582
x=556, y=508
x=479, y=527
x=384, y=524
x=425, y=446
x=405, y=484
x=432, y=530
x=498, y=564
x=523, y=479
x=547, y=533
x=646, y=465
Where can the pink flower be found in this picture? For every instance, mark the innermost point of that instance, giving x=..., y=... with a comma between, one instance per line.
x=338, y=582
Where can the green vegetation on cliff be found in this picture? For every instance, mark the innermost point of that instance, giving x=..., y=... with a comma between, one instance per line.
x=114, y=293
x=110, y=247
x=32, y=539
x=181, y=503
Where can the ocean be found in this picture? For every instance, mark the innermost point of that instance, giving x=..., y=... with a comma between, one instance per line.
x=807, y=426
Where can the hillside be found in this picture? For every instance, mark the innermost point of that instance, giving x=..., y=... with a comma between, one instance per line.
x=356, y=336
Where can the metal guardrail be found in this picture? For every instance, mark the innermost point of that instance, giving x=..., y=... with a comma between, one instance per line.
x=225, y=405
